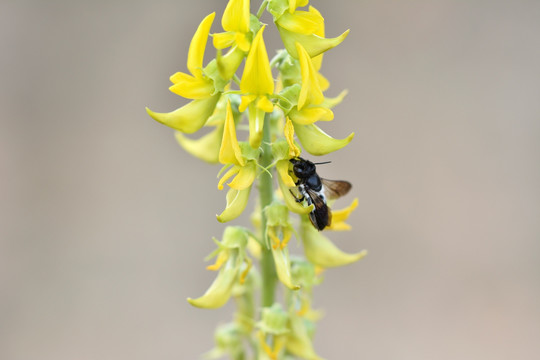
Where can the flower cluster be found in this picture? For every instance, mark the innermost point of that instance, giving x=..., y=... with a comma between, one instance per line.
x=279, y=102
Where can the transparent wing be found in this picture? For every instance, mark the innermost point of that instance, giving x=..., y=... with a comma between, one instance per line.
x=334, y=189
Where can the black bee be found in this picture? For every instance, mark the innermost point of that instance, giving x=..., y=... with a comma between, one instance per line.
x=315, y=190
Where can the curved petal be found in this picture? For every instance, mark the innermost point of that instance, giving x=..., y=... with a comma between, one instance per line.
x=205, y=148
x=311, y=92
x=236, y=203
x=317, y=142
x=257, y=77
x=229, y=174
x=291, y=202
x=198, y=45
x=313, y=44
x=283, y=267
x=236, y=16
x=220, y=291
x=321, y=251
x=311, y=114
x=223, y=40
x=298, y=340
x=245, y=177
x=303, y=22
x=256, y=123
x=288, y=130
x=282, y=167
x=331, y=102
x=191, y=87
x=189, y=118
x=230, y=152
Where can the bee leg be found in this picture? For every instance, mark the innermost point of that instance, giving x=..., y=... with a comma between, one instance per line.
x=298, y=200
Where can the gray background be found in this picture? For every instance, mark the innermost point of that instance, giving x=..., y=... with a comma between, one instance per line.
x=104, y=220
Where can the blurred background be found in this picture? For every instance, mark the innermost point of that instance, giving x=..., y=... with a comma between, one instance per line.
x=105, y=220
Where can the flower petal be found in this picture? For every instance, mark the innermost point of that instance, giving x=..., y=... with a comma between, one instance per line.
x=291, y=202
x=311, y=92
x=283, y=267
x=317, y=142
x=321, y=251
x=310, y=114
x=191, y=87
x=313, y=44
x=257, y=76
x=206, y=147
x=236, y=16
x=298, y=340
x=220, y=291
x=198, y=45
x=332, y=102
x=223, y=40
x=282, y=167
x=236, y=203
x=288, y=130
x=229, y=174
x=256, y=123
x=189, y=118
x=245, y=177
x=230, y=152
x=303, y=22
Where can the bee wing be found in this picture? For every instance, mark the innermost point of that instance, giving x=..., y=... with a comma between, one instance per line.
x=321, y=215
x=334, y=189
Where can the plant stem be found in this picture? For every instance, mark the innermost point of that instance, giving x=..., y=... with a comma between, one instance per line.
x=268, y=270
x=261, y=9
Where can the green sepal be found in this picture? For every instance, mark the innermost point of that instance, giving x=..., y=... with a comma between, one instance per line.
x=289, y=98
x=212, y=71
x=277, y=8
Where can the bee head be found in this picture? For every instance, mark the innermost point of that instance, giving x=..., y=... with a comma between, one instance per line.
x=303, y=168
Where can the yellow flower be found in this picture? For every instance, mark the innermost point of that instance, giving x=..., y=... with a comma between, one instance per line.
x=207, y=146
x=231, y=255
x=235, y=22
x=196, y=85
x=321, y=251
x=305, y=27
x=277, y=226
x=298, y=340
x=192, y=117
x=256, y=85
x=243, y=159
x=311, y=98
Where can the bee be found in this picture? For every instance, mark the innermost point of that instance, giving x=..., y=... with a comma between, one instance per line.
x=315, y=190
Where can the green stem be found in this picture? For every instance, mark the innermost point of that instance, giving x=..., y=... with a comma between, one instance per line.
x=261, y=9
x=268, y=270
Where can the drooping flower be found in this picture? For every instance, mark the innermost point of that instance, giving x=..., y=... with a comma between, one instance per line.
x=243, y=160
x=196, y=85
x=192, y=116
x=321, y=251
x=231, y=255
x=256, y=85
x=279, y=231
x=207, y=146
x=235, y=22
x=304, y=27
